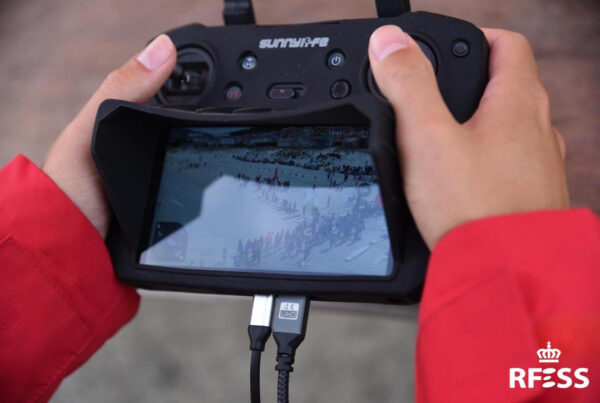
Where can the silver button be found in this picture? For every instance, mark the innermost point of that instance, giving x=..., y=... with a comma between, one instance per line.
x=249, y=62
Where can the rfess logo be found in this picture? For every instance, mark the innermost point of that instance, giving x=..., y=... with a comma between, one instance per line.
x=561, y=378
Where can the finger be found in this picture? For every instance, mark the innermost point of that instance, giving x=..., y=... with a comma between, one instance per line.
x=514, y=87
x=511, y=55
x=561, y=143
x=136, y=81
x=513, y=72
x=406, y=78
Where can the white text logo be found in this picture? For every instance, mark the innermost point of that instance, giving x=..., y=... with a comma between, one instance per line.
x=281, y=43
x=561, y=378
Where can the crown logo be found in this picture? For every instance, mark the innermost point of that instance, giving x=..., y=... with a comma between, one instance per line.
x=548, y=354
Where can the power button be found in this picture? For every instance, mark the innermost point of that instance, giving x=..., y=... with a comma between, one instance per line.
x=336, y=59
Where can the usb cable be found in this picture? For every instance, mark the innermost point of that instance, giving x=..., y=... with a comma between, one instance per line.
x=259, y=331
x=289, y=329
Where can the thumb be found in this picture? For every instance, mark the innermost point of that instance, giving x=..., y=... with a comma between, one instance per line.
x=69, y=161
x=136, y=81
x=406, y=78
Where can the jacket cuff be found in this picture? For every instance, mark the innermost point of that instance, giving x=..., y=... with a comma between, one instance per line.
x=521, y=245
x=60, y=268
x=497, y=290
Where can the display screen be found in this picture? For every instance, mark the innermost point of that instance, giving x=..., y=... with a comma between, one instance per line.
x=301, y=200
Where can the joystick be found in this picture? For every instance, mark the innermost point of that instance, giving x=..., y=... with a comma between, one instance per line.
x=189, y=79
x=372, y=85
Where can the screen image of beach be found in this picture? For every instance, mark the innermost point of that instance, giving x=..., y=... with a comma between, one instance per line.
x=301, y=200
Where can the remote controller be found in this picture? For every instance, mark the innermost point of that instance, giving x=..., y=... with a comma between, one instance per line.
x=267, y=82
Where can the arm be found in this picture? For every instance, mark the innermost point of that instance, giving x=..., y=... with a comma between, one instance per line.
x=59, y=299
x=499, y=289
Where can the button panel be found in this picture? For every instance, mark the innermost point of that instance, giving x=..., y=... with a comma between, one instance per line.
x=192, y=76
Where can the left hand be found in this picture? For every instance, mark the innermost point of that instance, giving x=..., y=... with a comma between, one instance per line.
x=69, y=162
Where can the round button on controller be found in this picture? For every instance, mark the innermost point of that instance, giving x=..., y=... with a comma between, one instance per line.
x=248, y=62
x=460, y=49
x=340, y=89
x=233, y=93
x=336, y=59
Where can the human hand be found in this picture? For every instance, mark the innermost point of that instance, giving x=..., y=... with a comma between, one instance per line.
x=69, y=162
x=506, y=159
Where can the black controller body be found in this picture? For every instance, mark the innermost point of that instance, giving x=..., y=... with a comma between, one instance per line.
x=315, y=73
x=301, y=59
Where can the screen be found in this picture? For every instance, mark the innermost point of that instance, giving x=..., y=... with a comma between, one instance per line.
x=301, y=200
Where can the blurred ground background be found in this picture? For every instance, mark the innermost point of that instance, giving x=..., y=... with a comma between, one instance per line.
x=55, y=53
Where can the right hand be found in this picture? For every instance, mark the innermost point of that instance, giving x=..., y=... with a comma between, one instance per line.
x=506, y=159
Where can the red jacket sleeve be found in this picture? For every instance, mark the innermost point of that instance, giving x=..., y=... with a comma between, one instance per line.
x=499, y=289
x=59, y=299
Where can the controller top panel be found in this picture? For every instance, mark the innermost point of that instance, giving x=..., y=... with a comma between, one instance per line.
x=290, y=66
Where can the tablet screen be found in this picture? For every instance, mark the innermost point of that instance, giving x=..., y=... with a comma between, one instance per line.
x=300, y=200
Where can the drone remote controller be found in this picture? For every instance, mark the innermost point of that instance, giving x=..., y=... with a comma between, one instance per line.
x=251, y=115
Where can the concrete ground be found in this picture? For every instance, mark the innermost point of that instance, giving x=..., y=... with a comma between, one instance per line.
x=195, y=349
x=55, y=53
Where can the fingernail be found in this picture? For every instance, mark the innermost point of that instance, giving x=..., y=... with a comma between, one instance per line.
x=156, y=53
x=387, y=40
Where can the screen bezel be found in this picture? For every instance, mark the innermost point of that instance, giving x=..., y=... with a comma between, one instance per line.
x=152, y=196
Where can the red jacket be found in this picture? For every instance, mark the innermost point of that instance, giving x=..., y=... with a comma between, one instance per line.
x=497, y=290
